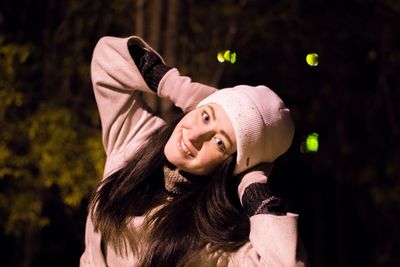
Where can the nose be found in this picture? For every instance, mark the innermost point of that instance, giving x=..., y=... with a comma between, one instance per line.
x=199, y=135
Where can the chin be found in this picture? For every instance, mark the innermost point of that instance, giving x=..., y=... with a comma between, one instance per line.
x=198, y=172
x=172, y=157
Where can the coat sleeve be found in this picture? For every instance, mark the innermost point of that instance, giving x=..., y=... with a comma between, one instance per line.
x=273, y=242
x=117, y=84
x=273, y=239
x=118, y=87
x=184, y=93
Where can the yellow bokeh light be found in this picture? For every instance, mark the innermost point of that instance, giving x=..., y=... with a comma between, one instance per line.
x=220, y=57
x=312, y=59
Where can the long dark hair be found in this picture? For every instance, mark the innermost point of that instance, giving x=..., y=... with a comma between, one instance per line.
x=207, y=212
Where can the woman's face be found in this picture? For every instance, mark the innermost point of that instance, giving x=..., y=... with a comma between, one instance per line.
x=201, y=141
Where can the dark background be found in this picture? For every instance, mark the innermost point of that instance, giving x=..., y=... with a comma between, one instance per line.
x=347, y=194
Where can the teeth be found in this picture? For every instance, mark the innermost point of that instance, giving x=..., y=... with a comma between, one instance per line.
x=185, y=148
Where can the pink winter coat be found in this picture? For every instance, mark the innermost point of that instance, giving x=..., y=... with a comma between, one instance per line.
x=119, y=89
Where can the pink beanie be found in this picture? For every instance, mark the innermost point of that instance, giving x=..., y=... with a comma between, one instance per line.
x=262, y=124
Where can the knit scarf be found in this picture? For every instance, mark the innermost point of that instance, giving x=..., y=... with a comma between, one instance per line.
x=173, y=179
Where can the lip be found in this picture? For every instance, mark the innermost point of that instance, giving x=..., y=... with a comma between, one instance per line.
x=182, y=146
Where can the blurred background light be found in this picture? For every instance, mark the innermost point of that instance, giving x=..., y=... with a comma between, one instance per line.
x=312, y=59
x=227, y=55
x=311, y=144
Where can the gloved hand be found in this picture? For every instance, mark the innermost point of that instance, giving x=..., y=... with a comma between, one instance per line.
x=258, y=199
x=149, y=64
x=255, y=194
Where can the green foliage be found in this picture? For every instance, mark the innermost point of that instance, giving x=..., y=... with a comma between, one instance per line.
x=63, y=157
x=41, y=147
x=10, y=56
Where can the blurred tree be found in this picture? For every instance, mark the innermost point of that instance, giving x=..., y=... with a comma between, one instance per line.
x=41, y=147
x=49, y=134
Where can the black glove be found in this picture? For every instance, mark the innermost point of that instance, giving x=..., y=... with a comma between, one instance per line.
x=149, y=65
x=258, y=199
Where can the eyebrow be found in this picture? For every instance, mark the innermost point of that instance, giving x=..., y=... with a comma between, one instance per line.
x=214, y=117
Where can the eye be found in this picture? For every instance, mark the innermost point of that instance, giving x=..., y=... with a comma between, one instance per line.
x=220, y=144
x=205, y=117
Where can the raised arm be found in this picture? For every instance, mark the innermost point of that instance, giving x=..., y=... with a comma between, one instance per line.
x=118, y=83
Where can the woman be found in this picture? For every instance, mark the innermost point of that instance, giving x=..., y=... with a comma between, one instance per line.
x=191, y=192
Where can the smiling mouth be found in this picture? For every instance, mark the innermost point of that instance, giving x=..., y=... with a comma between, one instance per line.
x=182, y=146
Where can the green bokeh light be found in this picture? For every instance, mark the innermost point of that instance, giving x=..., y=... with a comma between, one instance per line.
x=233, y=57
x=312, y=59
x=311, y=144
x=227, y=55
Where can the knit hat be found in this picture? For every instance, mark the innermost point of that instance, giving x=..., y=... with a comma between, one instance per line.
x=262, y=124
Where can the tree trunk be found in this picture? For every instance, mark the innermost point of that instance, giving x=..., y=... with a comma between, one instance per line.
x=221, y=67
x=29, y=245
x=169, y=52
x=172, y=31
x=154, y=22
x=153, y=37
x=139, y=18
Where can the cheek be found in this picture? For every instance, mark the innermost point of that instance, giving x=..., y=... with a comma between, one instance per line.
x=211, y=159
x=169, y=149
x=208, y=168
x=172, y=153
x=166, y=150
